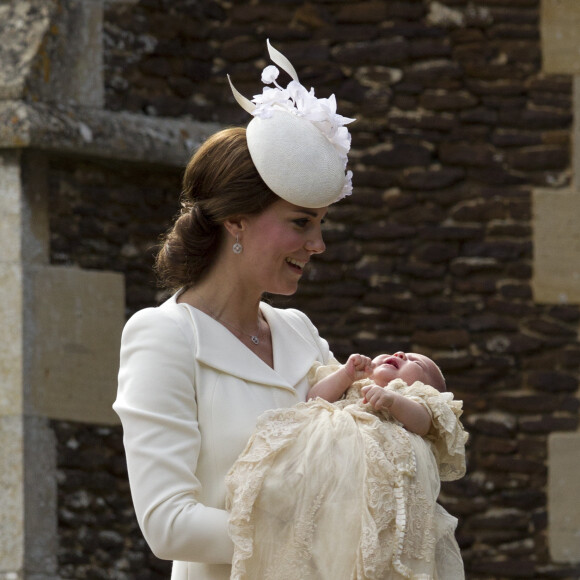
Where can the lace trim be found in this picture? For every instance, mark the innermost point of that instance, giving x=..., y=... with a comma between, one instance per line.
x=447, y=435
x=399, y=529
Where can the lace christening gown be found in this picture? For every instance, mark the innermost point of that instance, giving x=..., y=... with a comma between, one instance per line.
x=337, y=491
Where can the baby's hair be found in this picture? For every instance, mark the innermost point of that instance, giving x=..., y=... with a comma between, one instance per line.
x=441, y=383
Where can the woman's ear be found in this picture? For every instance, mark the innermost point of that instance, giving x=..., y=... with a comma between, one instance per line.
x=235, y=225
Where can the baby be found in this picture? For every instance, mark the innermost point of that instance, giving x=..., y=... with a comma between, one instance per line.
x=345, y=487
x=409, y=367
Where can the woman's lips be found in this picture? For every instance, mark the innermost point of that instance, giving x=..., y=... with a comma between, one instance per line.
x=297, y=264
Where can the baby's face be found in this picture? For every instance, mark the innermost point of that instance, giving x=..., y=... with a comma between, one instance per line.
x=409, y=367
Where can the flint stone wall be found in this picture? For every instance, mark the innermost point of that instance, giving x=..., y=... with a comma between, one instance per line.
x=433, y=252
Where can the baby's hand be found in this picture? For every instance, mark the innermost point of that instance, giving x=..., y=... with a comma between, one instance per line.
x=379, y=397
x=358, y=367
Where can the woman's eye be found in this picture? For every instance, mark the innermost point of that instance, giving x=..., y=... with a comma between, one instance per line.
x=302, y=222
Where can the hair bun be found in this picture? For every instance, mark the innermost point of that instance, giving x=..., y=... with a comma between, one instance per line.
x=201, y=221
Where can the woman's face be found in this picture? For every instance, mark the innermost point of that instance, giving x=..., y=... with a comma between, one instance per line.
x=278, y=243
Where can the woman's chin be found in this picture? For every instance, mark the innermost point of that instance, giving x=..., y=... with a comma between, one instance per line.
x=284, y=289
x=284, y=292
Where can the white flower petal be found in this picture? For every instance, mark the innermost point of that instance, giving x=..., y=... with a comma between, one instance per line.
x=270, y=74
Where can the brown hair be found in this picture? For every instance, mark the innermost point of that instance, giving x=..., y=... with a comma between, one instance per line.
x=439, y=381
x=220, y=182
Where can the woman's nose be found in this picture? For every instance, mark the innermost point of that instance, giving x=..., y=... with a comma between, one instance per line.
x=316, y=245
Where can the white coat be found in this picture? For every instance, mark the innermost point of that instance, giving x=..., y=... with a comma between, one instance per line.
x=189, y=396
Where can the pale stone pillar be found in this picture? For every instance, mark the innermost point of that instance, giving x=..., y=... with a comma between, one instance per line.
x=557, y=272
x=11, y=369
x=49, y=53
x=563, y=506
x=27, y=449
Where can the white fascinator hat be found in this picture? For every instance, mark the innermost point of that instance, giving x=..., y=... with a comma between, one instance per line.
x=298, y=143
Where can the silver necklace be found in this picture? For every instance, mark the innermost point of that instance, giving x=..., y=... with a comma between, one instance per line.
x=253, y=337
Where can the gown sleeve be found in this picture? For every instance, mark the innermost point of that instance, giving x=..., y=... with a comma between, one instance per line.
x=447, y=435
x=156, y=403
x=319, y=371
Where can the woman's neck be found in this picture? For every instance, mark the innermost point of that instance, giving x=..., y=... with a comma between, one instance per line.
x=224, y=303
x=237, y=311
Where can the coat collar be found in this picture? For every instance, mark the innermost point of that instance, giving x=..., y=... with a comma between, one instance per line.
x=294, y=352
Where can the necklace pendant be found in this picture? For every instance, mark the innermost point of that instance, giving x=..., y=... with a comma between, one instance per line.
x=255, y=339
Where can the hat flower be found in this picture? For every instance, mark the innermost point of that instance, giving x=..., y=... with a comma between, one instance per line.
x=297, y=100
x=270, y=74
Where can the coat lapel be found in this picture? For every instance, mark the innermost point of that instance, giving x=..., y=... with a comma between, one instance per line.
x=220, y=349
x=294, y=347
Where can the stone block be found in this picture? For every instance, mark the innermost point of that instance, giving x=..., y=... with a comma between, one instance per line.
x=441, y=100
x=363, y=12
x=461, y=153
x=40, y=501
x=52, y=51
x=10, y=208
x=10, y=286
x=576, y=133
x=28, y=538
x=542, y=158
x=450, y=338
x=74, y=346
x=559, y=22
x=563, y=509
x=12, y=496
x=397, y=155
x=556, y=278
x=23, y=26
x=432, y=178
x=494, y=424
x=539, y=119
x=550, y=328
x=547, y=424
x=11, y=329
x=383, y=52
x=99, y=133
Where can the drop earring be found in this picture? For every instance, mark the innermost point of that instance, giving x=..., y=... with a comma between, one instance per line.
x=237, y=247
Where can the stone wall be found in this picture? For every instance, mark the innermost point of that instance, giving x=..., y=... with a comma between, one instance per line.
x=99, y=537
x=457, y=125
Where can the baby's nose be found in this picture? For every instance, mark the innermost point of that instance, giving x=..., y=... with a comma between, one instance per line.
x=400, y=354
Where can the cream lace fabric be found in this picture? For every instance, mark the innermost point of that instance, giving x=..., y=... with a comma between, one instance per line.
x=338, y=492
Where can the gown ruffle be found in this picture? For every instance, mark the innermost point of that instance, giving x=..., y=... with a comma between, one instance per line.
x=337, y=491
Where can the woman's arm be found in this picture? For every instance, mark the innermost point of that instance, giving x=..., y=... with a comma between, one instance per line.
x=156, y=402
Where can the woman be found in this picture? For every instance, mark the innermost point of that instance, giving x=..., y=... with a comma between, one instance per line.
x=197, y=371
